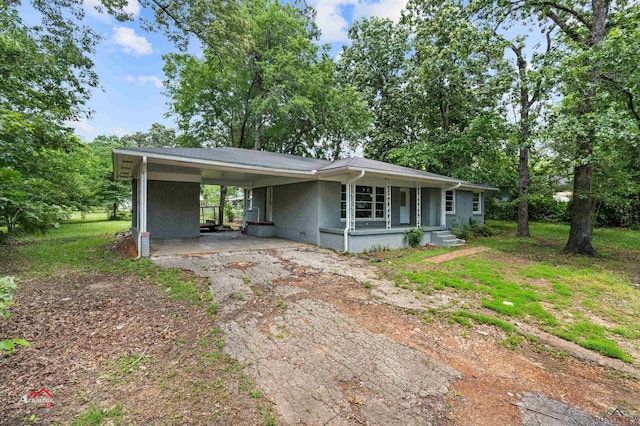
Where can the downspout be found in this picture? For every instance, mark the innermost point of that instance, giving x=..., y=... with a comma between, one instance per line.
x=142, y=204
x=348, y=218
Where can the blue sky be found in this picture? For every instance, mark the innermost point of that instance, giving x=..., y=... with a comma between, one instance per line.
x=129, y=63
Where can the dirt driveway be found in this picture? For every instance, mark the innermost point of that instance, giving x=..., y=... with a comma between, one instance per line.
x=330, y=343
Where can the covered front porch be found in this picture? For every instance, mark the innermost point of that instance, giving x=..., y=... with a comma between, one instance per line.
x=372, y=239
x=377, y=211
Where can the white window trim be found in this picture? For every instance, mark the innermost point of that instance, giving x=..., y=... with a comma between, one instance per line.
x=373, y=207
x=479, y=211
x=453, y=201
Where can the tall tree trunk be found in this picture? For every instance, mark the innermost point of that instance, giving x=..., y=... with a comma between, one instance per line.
x=523, y=192
x=223, y=201
x=581, y=218
x=525, y=132
x=581, y=214
x=258, y=131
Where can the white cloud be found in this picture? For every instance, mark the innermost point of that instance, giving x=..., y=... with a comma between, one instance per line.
x=328, y=18
x=92, y=8
x=119, y=131
x=334, y=25
x=144, y=79
x=383, y=9
x=132, y=7
x=82, y=128
x=131, y=42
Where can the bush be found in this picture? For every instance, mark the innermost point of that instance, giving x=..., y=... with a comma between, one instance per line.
x=542, y=208
x=473, y=229
x=229, y=213
x=413, y=236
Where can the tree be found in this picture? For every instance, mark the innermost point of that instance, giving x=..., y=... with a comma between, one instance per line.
x=376, y=64
x=279, y=93
x=158, y=136
x=588, y=85
x=275, y=90
x=458, y=78
x=45, y=79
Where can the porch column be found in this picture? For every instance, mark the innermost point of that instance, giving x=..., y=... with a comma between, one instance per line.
x=387, y=204
x=351, y=207
x=143, y=242
x=418, y=205
x=443, y=208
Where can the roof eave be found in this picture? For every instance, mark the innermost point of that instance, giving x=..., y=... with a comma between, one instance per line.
x=347, y=169
x=212, y=163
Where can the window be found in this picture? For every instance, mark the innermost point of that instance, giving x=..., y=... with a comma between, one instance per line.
x=477, y=205
x=369, y=202
x=450, y=201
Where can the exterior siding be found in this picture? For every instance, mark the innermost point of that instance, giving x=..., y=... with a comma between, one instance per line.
x=464, y=209
x=329, y=194
x=173, y=209
x=295, y=212
x=260, y=202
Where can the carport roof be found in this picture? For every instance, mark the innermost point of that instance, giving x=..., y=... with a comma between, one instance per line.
x=260, y=162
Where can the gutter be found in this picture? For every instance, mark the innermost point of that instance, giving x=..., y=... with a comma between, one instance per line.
x=348, y=221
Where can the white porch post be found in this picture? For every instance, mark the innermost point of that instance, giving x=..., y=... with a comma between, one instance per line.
x=418, y=205
x=143, y=236
x=351, y=206
x=443, y=208
x=387, y=204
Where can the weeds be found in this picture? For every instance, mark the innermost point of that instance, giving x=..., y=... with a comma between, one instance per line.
x=95, y=416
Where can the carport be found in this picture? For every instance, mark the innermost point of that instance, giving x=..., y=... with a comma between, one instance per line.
x=166, y=187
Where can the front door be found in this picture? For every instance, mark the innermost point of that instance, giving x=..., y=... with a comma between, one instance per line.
x=404, y=206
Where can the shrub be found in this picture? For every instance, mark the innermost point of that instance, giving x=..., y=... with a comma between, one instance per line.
x=473, y=229
x=413, y=236
x=229, y=213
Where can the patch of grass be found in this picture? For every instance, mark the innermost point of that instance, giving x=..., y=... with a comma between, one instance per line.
x=212, y=310
x=513, y=341
x=123, y=366
x=483, y=319
x=593, y=336
x=268, y=418
x=532, y=279
x=95, y=416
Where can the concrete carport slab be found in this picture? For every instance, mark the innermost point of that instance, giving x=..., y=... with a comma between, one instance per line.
x=217, y=242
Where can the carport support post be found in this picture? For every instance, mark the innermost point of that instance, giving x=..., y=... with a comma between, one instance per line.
x=443, y=208
x=143, y=236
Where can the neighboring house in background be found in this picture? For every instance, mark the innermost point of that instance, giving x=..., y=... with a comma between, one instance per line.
x=352, y=204
x=563, y=197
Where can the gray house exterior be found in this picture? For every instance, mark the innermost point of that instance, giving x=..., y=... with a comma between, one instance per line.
x=352, y=204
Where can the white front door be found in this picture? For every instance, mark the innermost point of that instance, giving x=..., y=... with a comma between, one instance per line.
x=404, y=206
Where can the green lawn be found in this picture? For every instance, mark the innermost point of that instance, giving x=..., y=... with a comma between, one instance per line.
x=83, y=245
x=591, y=301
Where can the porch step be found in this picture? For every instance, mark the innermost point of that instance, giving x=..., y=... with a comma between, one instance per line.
x=446, y=239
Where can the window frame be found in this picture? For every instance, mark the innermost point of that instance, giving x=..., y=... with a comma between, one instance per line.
x=453, y=201
x=375, y=192
x=478, y=202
